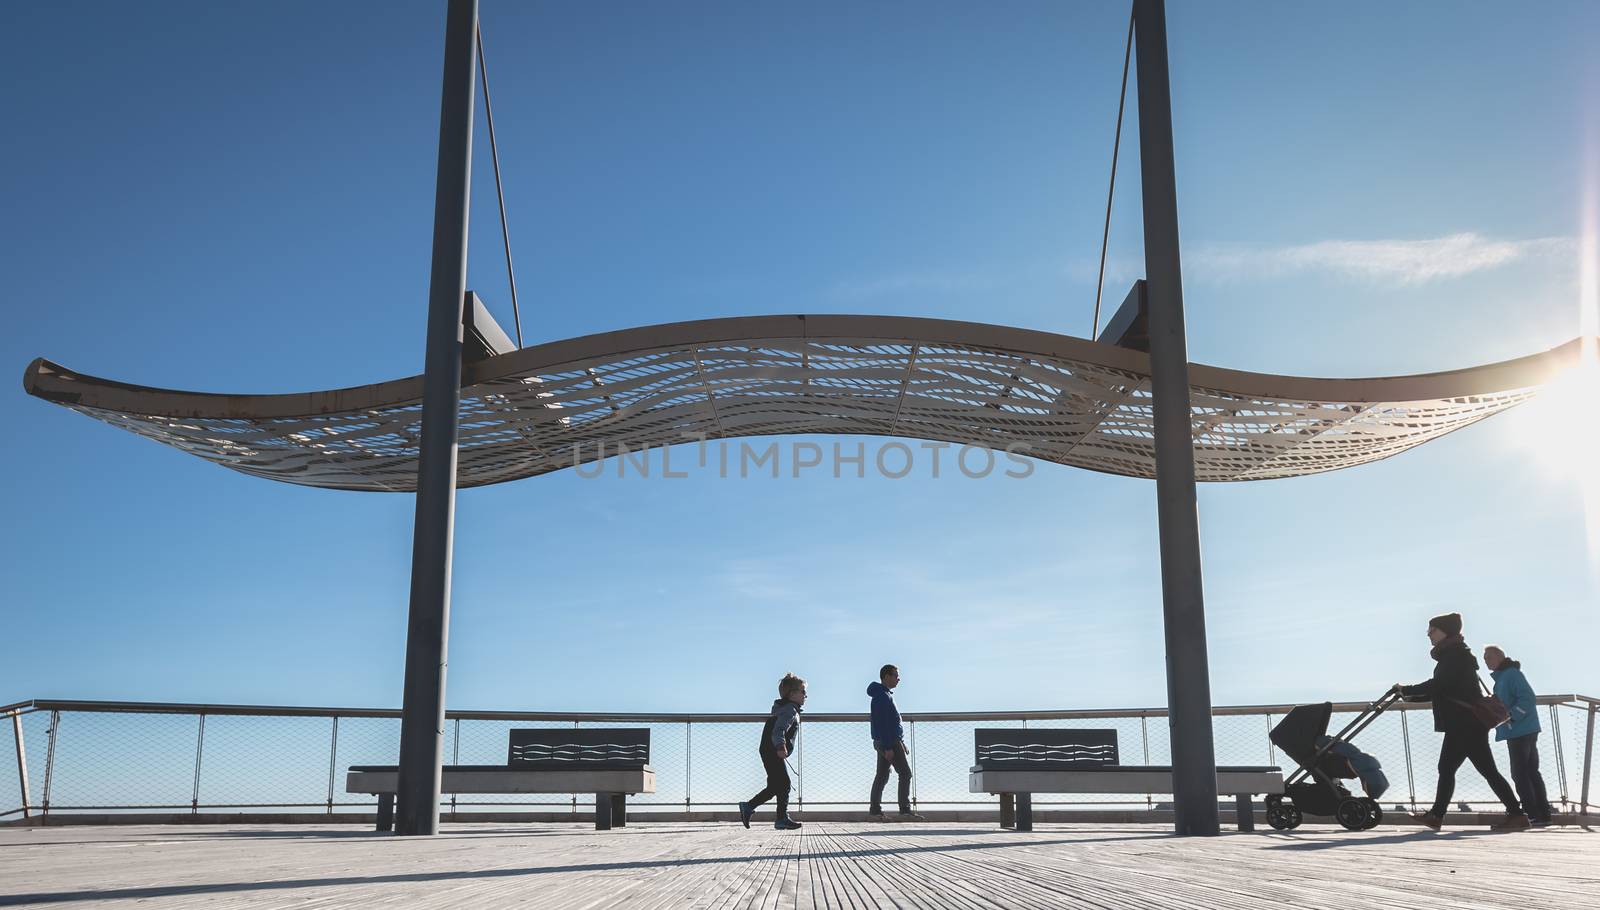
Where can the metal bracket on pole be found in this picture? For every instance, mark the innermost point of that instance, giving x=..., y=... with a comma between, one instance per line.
x=1194, y=771
x=422, y=712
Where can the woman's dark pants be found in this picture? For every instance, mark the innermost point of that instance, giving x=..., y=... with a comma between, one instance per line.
x=1525, y=774
x=902, y=770
x=777, y=783
x=1470, y=744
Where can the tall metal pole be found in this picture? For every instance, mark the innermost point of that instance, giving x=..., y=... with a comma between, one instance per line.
x=422, y=720
x=1194, y=772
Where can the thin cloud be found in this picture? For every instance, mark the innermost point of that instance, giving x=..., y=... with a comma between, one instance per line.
x=1404, y=262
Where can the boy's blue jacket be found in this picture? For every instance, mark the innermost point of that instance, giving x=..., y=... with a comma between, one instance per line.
x=886, y=727
x=1512, y=688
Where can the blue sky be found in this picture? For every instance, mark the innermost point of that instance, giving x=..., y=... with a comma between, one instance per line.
x=239, y=198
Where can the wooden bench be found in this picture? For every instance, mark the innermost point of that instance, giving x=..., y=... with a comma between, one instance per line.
x=1015, y=764
x=613, y=764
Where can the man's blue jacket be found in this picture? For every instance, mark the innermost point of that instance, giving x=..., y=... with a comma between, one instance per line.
x=1513, y=690
x=886, y=727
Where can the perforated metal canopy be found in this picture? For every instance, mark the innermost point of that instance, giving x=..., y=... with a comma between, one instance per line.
x=1052, y=397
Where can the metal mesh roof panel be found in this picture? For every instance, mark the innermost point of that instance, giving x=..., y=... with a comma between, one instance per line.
x=1053, y=397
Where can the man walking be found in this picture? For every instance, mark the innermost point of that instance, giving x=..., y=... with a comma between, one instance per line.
x=889, y=742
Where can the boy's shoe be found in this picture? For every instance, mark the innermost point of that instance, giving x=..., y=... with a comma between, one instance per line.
x=745, y=811
x=876, y=814
x=787, y=824
x=1516, y=822
x=1538, y=822
x=906, y=815
x=1428, y=819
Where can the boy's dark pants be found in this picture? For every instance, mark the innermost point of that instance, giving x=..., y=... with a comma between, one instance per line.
x=902, y=770
x=777, y=783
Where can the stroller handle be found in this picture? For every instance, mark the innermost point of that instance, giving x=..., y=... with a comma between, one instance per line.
x=1350, y=731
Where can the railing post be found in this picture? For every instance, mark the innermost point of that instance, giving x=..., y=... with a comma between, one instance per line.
x=455, y=758
x=911, y=724
x=800, y=770
x=1272, y=754
x=199, y=753
x=22, y=763
x=688, y=756
x=1588, y=759
x=1561, y=752
x=1144, y=740
x=333, y=758
x=50, y=762
x=1405, y=737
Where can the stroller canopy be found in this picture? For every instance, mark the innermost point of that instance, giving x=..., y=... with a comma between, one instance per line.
x=1297, y=736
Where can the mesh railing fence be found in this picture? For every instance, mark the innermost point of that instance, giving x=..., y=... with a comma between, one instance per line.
x=126, y=757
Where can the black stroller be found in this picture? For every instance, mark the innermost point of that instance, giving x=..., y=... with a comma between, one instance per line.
x=1314, y=786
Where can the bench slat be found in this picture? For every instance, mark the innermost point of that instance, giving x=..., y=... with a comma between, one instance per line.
x=500, y=779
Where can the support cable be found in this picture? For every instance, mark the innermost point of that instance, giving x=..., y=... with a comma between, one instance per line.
x=1116, y=145
x=494, y=153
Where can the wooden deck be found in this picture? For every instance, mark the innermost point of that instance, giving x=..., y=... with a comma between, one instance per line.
x=844, y=865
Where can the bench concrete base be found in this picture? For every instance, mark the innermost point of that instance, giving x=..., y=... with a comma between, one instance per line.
x=611, y=788
x=1016, y=788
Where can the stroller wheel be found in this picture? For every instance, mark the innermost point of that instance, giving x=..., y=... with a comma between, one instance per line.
x=1374, y=812
x=1352, y=814
x=1282, y=817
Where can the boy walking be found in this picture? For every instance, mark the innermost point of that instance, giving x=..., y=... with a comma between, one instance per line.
x=777, y=742
x=889, y=742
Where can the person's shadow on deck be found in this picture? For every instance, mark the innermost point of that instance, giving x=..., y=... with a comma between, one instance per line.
x=1334, y=841
x=343, y=881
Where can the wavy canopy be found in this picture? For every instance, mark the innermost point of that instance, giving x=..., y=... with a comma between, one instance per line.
x=1053, y=397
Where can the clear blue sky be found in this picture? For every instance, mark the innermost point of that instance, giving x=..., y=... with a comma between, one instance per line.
x=238, y=197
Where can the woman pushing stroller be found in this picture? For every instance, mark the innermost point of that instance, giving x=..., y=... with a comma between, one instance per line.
x=1452, y=689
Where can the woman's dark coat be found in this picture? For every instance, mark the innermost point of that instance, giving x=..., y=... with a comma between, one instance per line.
x=1455, y=680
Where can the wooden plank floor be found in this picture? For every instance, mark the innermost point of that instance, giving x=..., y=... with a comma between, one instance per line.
x=832, y=865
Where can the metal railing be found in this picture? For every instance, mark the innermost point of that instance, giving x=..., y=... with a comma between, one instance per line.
x=142, y=757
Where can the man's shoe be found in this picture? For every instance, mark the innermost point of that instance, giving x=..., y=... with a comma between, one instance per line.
x=745, y=811
x=1538, y=822
x=1517, y=822
x=1428, y=819
x=906, y=815
x=787, y=824
x=876, y=814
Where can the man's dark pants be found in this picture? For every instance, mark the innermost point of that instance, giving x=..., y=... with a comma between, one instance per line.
x=902, y=768
x=1525, y=775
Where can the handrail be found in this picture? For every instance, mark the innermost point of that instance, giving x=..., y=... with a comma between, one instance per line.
x=135, y=707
